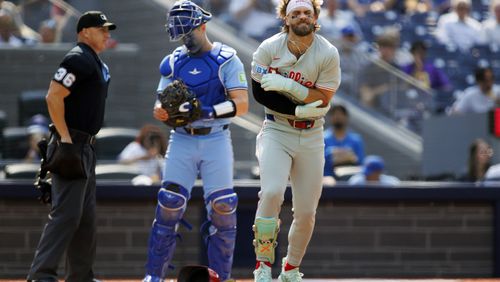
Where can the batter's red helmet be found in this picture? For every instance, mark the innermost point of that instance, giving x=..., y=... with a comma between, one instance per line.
x=197, y=273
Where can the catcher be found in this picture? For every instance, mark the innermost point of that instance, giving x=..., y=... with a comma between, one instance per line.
x=202, y=85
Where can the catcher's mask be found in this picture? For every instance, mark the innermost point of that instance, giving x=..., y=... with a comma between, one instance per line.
x=184, y=17
x=197, y=273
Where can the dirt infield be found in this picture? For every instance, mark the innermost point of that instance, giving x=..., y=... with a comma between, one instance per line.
x=323, y=280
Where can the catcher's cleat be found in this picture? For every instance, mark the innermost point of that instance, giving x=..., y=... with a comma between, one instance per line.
x=262, y=273
x=151, y=278
x=291, y=275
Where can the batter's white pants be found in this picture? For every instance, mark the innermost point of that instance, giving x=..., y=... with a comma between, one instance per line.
x=284, y=152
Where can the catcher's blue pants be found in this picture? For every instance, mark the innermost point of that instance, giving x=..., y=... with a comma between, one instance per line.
x=210, y=156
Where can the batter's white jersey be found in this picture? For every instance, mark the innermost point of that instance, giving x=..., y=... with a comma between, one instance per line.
x=318, y=67
x=287, y=153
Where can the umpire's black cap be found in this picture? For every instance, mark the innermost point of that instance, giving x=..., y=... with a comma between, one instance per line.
x=94, y=19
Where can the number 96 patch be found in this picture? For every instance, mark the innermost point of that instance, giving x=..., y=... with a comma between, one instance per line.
x=63, y=76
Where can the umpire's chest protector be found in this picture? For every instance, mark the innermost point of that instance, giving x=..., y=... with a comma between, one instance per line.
x=201, y=74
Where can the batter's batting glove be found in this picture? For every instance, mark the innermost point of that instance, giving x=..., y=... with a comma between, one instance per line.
x=311, y=110
x=276, y=82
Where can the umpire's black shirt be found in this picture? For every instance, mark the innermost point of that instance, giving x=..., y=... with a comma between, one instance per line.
x=87, y=79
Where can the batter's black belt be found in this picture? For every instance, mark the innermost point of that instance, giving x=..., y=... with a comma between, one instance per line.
x=299, y=124
x=80, y=137
x=202, y=130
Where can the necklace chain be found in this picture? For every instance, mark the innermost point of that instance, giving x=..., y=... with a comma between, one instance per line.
x=295, y=45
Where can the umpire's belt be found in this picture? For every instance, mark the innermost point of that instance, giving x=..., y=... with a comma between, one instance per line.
x=299, y=124
x=80, y=137
x=204, y=130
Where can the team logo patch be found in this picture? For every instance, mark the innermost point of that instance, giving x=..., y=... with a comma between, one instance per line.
x=259, y=69
x=242, y=77
x=195, y=72
x=103, y=17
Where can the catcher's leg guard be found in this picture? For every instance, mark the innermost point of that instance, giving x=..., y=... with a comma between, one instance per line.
x=266, y=232
x=172, y=200
x=221, y=209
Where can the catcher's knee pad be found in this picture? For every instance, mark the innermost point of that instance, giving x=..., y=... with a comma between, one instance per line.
x=221, y=239
x=172, y=202
x=222, y=206
x=266, y=233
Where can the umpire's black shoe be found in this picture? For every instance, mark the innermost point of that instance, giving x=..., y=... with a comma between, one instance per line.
x=43, y=280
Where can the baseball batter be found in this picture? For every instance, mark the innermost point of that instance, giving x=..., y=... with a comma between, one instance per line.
x=295, y=74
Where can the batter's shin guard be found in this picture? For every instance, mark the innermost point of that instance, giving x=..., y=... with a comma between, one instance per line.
x=172, y=201
x=266, y=234
x=221, y=239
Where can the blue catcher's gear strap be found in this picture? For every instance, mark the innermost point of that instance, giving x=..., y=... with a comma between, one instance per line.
x=221, y=238
x=184, y=17
x=172, y=201
x=266, y=233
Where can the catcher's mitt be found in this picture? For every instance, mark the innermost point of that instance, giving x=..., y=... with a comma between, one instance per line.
x=181, y=104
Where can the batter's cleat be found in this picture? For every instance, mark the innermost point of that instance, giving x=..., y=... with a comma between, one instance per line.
x=291, y=275
x=263, y=273
x=151, y=278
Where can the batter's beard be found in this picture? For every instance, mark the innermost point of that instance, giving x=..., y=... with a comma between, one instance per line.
x=299, y=30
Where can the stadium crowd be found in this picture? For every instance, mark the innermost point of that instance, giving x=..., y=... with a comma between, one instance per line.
x=402, y=59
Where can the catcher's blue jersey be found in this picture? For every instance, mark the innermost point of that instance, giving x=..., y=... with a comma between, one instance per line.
x=210, y=76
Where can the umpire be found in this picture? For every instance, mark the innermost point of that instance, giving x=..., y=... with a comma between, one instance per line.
x=75, y=99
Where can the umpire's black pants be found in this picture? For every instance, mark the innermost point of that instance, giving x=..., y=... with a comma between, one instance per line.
x=71, y=227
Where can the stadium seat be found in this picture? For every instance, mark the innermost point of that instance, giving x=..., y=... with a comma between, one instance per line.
x=31, y=103
x=116, y=171
x=15, y=143
x=21, y=171
x=110, y=141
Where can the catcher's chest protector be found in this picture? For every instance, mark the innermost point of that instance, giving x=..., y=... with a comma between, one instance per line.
x=201, y=74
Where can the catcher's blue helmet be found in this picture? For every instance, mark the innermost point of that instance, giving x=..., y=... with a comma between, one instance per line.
x=184, y=17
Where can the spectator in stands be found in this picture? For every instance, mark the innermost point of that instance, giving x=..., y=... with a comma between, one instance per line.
x=441, y=6
x=373, y=168
x=48, y=31
x=333, y=20
x=478, y=162
x=458, y=28
x=491, y=26
x=352, y=63
x=146, y=152
x=424, y=71
x=412, y=6
x=376, y=78
x=479, y=98
x=492, y=175
x=37, y=130
x=21, y=30
x=343, y=147
x=7, y=29
x=254, y=17
x=361, y=7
